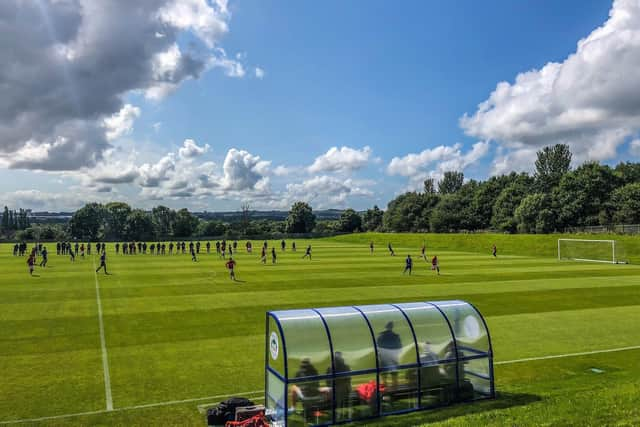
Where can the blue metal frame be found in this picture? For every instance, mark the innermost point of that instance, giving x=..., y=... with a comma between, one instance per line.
x=375, y=348
x=455, y=345
x=415, y=343
x=459, y=358
x=333, y=367
x=486, y=328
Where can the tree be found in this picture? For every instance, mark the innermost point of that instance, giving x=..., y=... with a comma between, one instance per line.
x=212, y=228
x=372, y=219
x=509, y=199
x=138, y=226
x=5, y=219
x=528, y=213
x=627, y=172
x=429, y=186
x=349, y=221
x=450, y=182
x=116, y=219
x=409, y=212
x=185, y=223
x=626, y=204
x=582, y=195
x=163, y=221
x=88, y=222
x=300, y=219
x=447, y=215
x=551, y=165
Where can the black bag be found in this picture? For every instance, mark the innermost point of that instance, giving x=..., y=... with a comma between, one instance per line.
x=226, y=410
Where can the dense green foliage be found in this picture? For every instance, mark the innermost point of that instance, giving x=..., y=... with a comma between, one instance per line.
x=301, y=218
x=555, y=198
x=179, y=334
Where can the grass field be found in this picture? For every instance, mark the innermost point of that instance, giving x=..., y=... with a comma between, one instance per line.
x=179, y=334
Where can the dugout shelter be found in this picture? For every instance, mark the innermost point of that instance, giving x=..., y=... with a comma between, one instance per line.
x=329, y=366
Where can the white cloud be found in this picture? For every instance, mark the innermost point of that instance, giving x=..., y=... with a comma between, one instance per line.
x=434, y=162
x=190, y=149
x=344, y=159
x=156, y=126
x=634, y=147
x=259, y=73
x=151, y=175
x=63, y=97
x=591, y=100
x=326, y=191
x=231, y=67
x=207, y=21
x=121, y=123
x=243, y=171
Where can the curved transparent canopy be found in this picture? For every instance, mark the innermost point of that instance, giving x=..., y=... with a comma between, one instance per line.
x=341, y=364
x=394, y=339
x=351, y=338
x=468, y=327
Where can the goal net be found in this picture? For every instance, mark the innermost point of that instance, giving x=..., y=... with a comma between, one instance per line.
x=609, y=251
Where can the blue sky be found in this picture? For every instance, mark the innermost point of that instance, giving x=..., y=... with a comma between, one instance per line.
x=342, y=104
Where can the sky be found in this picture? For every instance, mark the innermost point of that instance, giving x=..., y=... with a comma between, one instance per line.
x=211, y=104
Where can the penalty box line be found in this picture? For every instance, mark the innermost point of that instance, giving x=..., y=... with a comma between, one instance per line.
x=103, y=344
x=250, y=393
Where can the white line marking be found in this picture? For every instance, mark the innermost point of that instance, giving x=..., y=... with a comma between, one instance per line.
x=103, y=343
x=127, y=408
x=558, y=356
x=249, y=393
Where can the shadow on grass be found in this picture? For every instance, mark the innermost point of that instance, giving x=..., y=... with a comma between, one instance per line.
x=503, y=400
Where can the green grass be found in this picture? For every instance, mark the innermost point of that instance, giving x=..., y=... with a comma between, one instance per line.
x=178, y=330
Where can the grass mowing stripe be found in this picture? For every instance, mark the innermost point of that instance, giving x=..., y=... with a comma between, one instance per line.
x=126, y=408
x=103, y=344
x=559, y=356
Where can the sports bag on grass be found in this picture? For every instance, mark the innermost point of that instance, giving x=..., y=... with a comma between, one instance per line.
x=226, y=410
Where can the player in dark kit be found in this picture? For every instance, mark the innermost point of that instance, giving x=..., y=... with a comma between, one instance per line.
x=283, y=245
x=307, y=253
x=273, y=255
x=391, y=250
x=44, y=254
x=408, y=265
x=494, y=251
x=371, y=247
x=103, y=262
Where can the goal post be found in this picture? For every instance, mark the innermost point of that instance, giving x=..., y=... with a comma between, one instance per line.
x=589, y=250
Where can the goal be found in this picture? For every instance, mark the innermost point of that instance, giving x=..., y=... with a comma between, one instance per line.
x=608, y=251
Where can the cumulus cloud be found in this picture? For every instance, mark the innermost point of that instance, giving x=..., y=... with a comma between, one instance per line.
x=243, y=171
x=634, y=147
x=590, y=100
x=190, y=149
x=73, y=62
x=344, y=159
x=151, y=175
x=46, y=200
x=259, y=73
x=121, y=123
x=326, y=191
x=434, y=162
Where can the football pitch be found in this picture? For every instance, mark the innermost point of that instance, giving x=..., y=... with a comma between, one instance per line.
x=162, y=336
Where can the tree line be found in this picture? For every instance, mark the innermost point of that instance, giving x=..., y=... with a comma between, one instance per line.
x=553, y=198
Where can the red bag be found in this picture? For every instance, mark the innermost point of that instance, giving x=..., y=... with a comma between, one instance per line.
x=256, y=421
